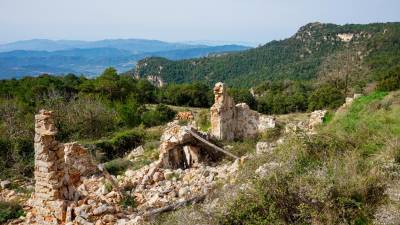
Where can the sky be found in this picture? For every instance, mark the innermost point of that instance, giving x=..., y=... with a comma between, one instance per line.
x=231, y=21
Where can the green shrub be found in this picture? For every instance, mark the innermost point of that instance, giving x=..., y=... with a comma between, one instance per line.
x=128, y=201
x=391, y=81
x=120, y=144
x=9, y=210
x=161, y=114
x=203, y=120
x=117, y=166
x=130, y=113
x=271, y=135
x=325, y=97
x=16, y=158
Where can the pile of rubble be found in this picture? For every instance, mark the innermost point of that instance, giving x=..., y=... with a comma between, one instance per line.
x=71, y=189
x=67, y=184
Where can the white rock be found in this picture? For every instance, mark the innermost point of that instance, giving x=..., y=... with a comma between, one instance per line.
x=183, y=191
x=5, y=184
x=103, y=209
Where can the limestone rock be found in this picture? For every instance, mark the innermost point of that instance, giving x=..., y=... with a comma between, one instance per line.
x=316, y=118
x=265, y=147
x=5, y=184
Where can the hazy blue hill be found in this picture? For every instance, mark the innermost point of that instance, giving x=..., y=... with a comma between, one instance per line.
x=91, y=61
x=132, y=45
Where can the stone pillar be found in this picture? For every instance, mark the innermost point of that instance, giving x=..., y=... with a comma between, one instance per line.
x=49, y=206
x=223, y=124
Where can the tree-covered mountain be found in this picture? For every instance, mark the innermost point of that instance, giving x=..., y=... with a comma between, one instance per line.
x=92, y=61
x=326, y=51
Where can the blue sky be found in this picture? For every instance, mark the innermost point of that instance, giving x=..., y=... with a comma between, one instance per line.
x=249, y=21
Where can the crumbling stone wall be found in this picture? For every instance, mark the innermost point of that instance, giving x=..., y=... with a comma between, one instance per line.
x=58, y=171
x=223, y=114
x=230, y=121
x=179, y=149
x=49, y=204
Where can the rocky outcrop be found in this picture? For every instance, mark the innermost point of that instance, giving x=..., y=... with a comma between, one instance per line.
x=231, y=121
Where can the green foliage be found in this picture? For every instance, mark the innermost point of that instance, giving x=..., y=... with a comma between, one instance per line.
x=272, y=134
x=119, y=144
x=117, y=166
x=397, y=156
x=325, y=178
x=203, y=120
x=195, y=95
x=325, y=97
x=158, y=116
x=301, y=57
x=243, y=95
x=391, y=81
x=128, y=202
x=17, y=158
x=130, y=112
x=279, y=97
x=10, y=210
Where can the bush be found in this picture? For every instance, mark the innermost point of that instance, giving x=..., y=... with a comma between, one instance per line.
x=117, y=166
x=119, y=144
x=203, y=120
x=271, y=135
x=16, y=158
x=128, y=201
x=391, y=81
x=325, y=97
x=130, y=113
x=86, y=117
x=243, y=95
x=9, y=210
x=161, y=114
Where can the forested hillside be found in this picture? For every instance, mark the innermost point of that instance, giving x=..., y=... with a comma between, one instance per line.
x=358, y=53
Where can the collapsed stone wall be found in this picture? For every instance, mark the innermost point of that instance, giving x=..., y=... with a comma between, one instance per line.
x=180, y=149
x=231, y=121
x=58, y=171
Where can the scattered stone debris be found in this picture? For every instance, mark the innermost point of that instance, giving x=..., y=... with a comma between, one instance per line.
x=349, y=101
x=316, y=118
x=265, y=147
x=67, y=188
x=230, y=121
x=186, y=116
x=71, y=189
x=137, y=152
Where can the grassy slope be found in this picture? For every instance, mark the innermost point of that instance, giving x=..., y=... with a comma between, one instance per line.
x=339, y=176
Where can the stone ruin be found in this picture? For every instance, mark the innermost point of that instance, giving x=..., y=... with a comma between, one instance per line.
x=230, y=121
x=179, y=148
x=316, y=118
x=59, y=169
x=69, y=189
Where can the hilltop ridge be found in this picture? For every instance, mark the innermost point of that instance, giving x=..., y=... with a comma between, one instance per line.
x=314, y=50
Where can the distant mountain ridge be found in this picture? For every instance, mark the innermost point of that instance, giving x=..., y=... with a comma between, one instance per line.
x=132, y=45
x=92, y=60
x=363, y=51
